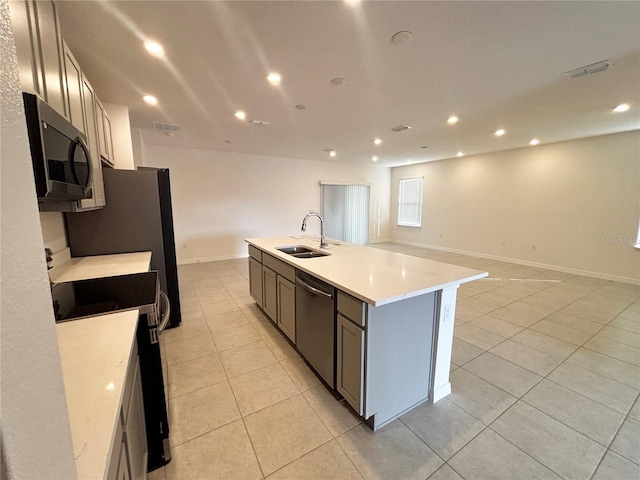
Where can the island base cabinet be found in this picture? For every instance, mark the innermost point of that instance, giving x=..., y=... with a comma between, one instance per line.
x=350, y=362
x=287, y=307
x=270, y=293
x=255, y=280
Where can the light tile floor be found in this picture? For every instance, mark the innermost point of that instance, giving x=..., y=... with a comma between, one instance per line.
x=545, y=379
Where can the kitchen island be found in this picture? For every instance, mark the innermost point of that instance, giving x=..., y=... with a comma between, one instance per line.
x=395, y=319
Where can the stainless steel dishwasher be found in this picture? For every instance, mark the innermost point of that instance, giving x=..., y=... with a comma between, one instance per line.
x=315, y=324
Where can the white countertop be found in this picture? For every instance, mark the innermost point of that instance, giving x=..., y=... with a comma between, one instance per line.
x=95, y=354
x=82, y=268
x=373, y=275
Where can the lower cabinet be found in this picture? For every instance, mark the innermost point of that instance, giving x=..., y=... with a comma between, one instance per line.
x=129, y=452
x=287, y=307
x=135, y=431
x=255, y=280
x=272, y=286
x=270, y=293
x=350, y=362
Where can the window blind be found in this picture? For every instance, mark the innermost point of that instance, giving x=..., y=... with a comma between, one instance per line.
x=410, y=202
x=345, y=209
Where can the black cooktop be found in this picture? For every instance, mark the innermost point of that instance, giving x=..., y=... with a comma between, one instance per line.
x=83, y=298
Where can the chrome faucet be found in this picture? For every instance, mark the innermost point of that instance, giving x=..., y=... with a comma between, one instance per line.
x=323, y=244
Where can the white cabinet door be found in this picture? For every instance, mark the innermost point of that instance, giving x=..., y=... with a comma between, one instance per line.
x=25, y=30
x=91, y=130
x=50, y=43
x=73, y=82
x=350, y=362
x=136, y=431
x=39, y=48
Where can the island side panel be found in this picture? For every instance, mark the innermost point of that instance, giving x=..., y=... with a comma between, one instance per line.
x=443, y=342
x=399, y=344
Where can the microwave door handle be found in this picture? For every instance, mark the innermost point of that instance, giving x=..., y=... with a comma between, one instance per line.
x=72, y=150
x=87, y=154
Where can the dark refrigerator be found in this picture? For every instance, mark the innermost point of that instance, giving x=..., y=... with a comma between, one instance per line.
x=138, y=217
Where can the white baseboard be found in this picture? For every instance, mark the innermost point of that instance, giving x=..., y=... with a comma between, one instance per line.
x=573, y=271
x=191, y=261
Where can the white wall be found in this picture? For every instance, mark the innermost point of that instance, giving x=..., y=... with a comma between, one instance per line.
x=121, y=135
x=220, y=198
x=576, y=201
x=35, y=437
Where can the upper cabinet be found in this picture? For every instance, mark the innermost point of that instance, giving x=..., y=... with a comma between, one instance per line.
x=91, y=131
x=104, y=134
x=49, y=69
x=39, y=46
x=73, y=81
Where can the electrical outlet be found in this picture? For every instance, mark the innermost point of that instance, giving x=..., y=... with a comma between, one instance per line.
x=441, y=234
x=184, y=245
x=503, y=243
x=534, y=246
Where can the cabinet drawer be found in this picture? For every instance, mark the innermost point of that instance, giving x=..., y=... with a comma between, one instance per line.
x=280, y=267
x=255, y=253
x=352, y=308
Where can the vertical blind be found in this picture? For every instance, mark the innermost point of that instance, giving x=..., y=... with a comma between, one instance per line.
x=410, y=202
x=345, y=209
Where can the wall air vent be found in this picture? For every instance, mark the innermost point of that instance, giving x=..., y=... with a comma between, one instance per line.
x=400, y=128
x=258, y=123
x=588, y=69
x=166, y=128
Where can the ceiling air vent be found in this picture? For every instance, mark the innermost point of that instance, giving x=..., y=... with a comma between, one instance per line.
x=258, y=123
x=588, y=69
x=166, y=128
x=400, y=128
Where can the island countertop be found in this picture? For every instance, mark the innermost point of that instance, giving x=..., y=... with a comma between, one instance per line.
x=373, y=275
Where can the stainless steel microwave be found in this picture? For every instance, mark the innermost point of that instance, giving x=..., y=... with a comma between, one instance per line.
x=62, y=163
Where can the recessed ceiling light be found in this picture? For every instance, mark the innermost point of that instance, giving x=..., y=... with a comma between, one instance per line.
x=460, y=154
x=240, y=115
x=377, y=141
x=150, y=99
x=332, y=152
x=274, y=78
x=623, y=107
x=374, y=158
x=338, y=81
x=452, y=120
x=154, y=48
x=401, y=37
x=500, y=132
x=534, y=141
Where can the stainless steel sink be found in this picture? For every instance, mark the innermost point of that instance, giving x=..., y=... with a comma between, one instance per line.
x=300, y=251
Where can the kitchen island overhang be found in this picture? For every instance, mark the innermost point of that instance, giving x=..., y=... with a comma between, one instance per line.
x=409, y=312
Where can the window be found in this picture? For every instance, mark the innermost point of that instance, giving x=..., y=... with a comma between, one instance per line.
x=410, y=202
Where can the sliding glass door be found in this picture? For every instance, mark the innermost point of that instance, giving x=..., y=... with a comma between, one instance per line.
x=345, y=209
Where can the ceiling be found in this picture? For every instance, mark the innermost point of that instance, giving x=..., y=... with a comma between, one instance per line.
x=492, y=64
